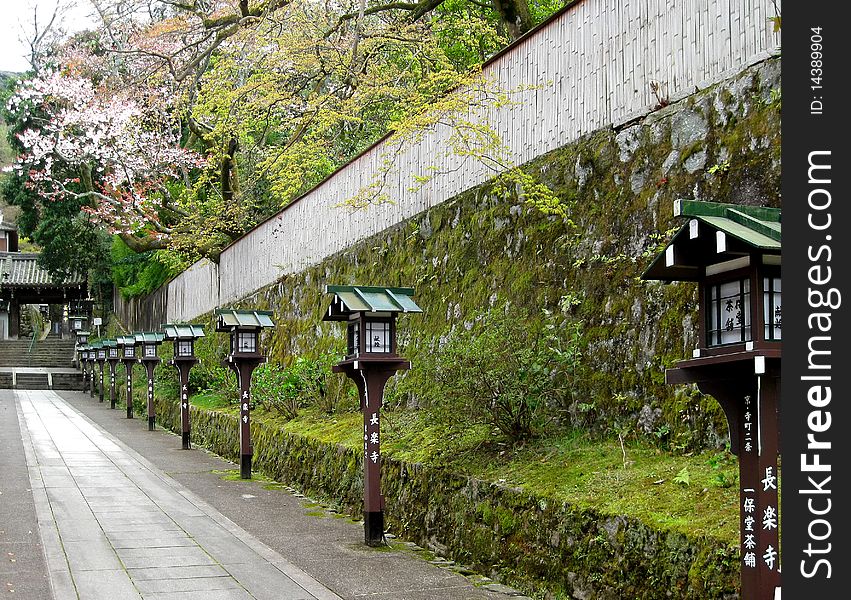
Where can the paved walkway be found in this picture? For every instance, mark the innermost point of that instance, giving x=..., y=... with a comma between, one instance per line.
x=118, y=524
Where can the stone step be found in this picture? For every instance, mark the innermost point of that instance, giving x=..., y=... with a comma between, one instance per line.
x=31, y=381
x=68, y=381
x=36, y=361
x=41, y=381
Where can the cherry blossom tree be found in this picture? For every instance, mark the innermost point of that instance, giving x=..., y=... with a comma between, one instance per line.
x=114, y=149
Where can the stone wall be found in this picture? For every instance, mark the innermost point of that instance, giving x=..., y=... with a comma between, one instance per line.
x=485, y=247
x=529, y=541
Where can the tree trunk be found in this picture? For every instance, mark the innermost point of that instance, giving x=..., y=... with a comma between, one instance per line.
x=137, y=244
x=515, y=15
x=230, y=176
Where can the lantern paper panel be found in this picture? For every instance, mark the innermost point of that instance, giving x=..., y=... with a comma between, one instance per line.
x=129, y=352
x=150, y=351
x=729, y=313
x=184, y=348
x=378, y=336
x=771, y=306
x=246, y=342
x=353, y=338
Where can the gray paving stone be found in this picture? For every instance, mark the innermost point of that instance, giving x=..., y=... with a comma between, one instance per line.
x=75, y=530
x=153, y=521
x=233, y=594
x=58, y=481
x=119, y=527
x=266, y=582
x=91, y=555
x=159, y=541
x=137, y=558
x=105, y=585
x=226, y=549
x=197, y=584
x=169, y=572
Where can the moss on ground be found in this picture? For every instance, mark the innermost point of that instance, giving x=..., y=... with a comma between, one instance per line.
x=635, y=479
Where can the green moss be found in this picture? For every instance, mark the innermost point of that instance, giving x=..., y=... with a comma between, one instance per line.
x=210, y=399
x=531, y=535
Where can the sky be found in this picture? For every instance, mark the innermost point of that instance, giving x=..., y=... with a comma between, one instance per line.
x=15, y=15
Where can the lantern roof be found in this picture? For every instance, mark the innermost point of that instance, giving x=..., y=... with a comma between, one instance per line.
x=182, y=331
x=148, y=337
x=110, y=344
x=125, y=340
x=715, y=233
x=349, y=299
x=231, y=319
x=96, y=345
x=82, y=333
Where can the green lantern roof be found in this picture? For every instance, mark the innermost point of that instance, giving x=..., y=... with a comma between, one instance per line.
x=82, y=333
x=125, y=340
x=182, y=331
x=350, y=299
x=715, y=233
x=231, y=319
x=148, y=337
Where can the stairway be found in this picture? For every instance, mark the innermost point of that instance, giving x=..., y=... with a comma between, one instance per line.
x=51, y=352
x=47, y=366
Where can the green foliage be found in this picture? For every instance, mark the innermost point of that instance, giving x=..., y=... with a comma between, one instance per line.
x=507, y=370
x=209, y=375
x=306, y=381
x=137, y=274
x=719, y=168
x=683, y=477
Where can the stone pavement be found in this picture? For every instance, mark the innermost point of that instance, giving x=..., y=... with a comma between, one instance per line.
x=121, y=515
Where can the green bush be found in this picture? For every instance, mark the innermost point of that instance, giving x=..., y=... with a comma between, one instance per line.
x=305, y=382
x=509, y=371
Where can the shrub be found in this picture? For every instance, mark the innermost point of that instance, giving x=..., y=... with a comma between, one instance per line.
x=306, y=381
x=509, y=371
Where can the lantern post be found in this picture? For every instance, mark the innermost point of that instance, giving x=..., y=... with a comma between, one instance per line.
x=101, y=360
x=127, y=344
x=82, y=339
x=371, y=360
x=244, y=327
x=91, y=357
x=733, y=253
x=148, y=343
x=184, y=336
x=112, y=358
x=82, y=361
x=77, y=323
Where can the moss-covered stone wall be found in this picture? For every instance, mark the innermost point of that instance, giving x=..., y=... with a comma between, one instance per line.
x=529, y=541
x=483, y=248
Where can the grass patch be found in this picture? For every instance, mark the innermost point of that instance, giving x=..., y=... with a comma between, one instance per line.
x=210, y=400
x=594, y=474
x=636, y=480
